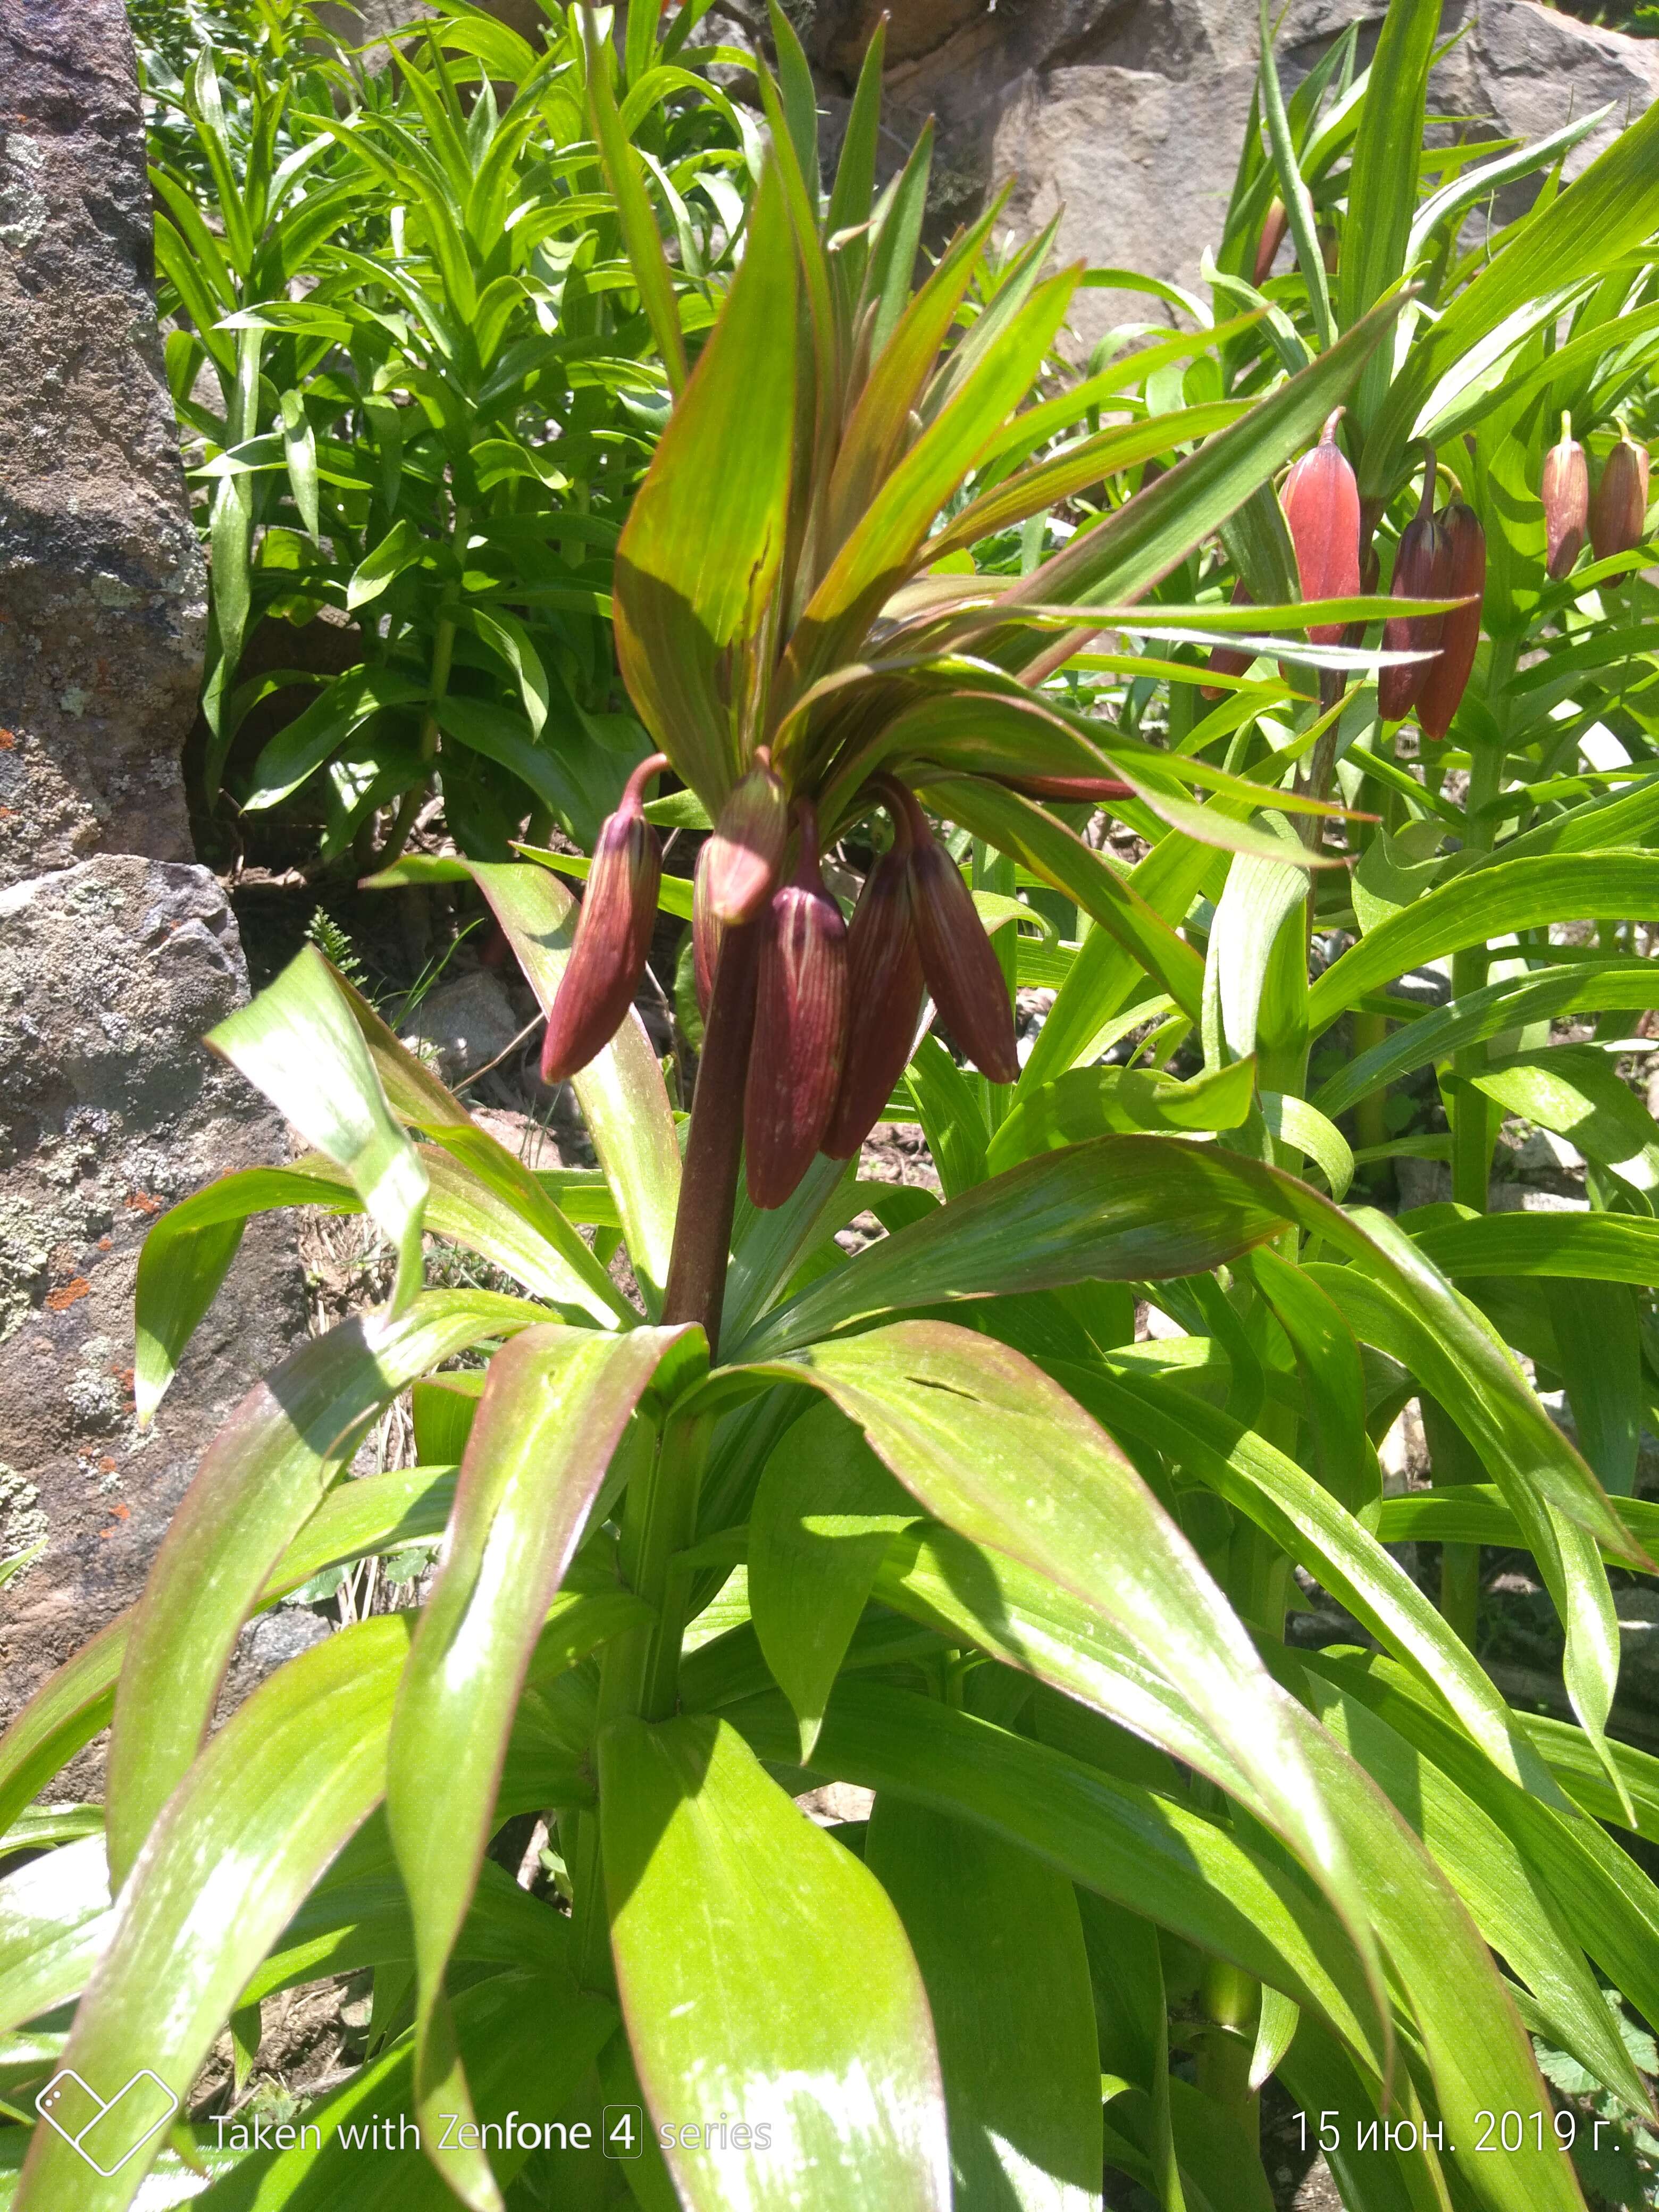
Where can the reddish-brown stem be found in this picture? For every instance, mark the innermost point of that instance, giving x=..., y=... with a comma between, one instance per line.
x=709, y=1188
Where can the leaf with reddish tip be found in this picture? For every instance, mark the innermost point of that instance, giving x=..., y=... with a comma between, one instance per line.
x=257, y=1818
x=992, y=1447
x=261, y=1479
x=552, y=1414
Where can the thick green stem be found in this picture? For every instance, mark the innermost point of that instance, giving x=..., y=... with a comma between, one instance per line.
x=1460, y=1590
x=1471, y=1151
x=1369, y=1125
x=443, y=660
x=640, y=1673
x=1232, y=1999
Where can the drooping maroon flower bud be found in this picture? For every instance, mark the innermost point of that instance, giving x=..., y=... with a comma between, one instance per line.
x=1273, y=237
x=800, y=1028
x=613, y=934
x=1565, y=493
x=1321, y=501
x=884, y=990
x=1466, y=578
x=1421, y=569
x=1228, y=659
x=747, y=849
x=958, y=960
x=1619, y=517
x=706, y=932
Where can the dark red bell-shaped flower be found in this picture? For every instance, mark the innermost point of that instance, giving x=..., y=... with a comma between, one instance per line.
x=1619, y=514
x=958, y=959
x=1321, y=501
x=613, y=934
x=1422, y=570
x=1565, y=494
x=706, y=932
x=800, y=1027
x=744, y=855
x=1273, y=237
x=885, y=994
x=1466, y=578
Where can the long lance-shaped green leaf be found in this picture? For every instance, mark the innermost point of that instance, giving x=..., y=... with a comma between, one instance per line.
x=261, y=1480
x=999, y=1939
x=1450, y=1349
x=621, y=1091
x=1120, y=1209
x=1474, y=1016
x=1512, y=1906
x=762, y=1968
x=552, y=1413
x=416, y=1094
x=823, y=1513
x=1059, y=477
x=1133, y=548
x=1605, y=1899
x=1601, y=1247
x=1143, y=1850
x=1030, y=835
x=378, y=1513
x=1612, y=207
x=1224, y=1197
x=992, y=1448
x=1475, y=1513
x=71, y=1706
x=298, y=1044
x=1576, y=1767
x=970, y=1590
x=188, y=1253
x=1269, y=1487
x=54, y=1924
x=1383, y=182
x=706, y=531
x=1470, y=2034
x=1487, y=902
x=297, y=1770
x=1292, y=185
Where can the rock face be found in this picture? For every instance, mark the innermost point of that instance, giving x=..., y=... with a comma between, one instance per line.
x=116, y=951
x=360, y=20
x=1129, y=113
x=110, y=1109
x=102, y=593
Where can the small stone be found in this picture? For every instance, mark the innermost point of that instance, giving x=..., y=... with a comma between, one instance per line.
x=461, y=1024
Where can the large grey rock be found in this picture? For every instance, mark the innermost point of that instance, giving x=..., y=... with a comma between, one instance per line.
x=1129, y=114
x=102, y=594
x=110, y=1109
